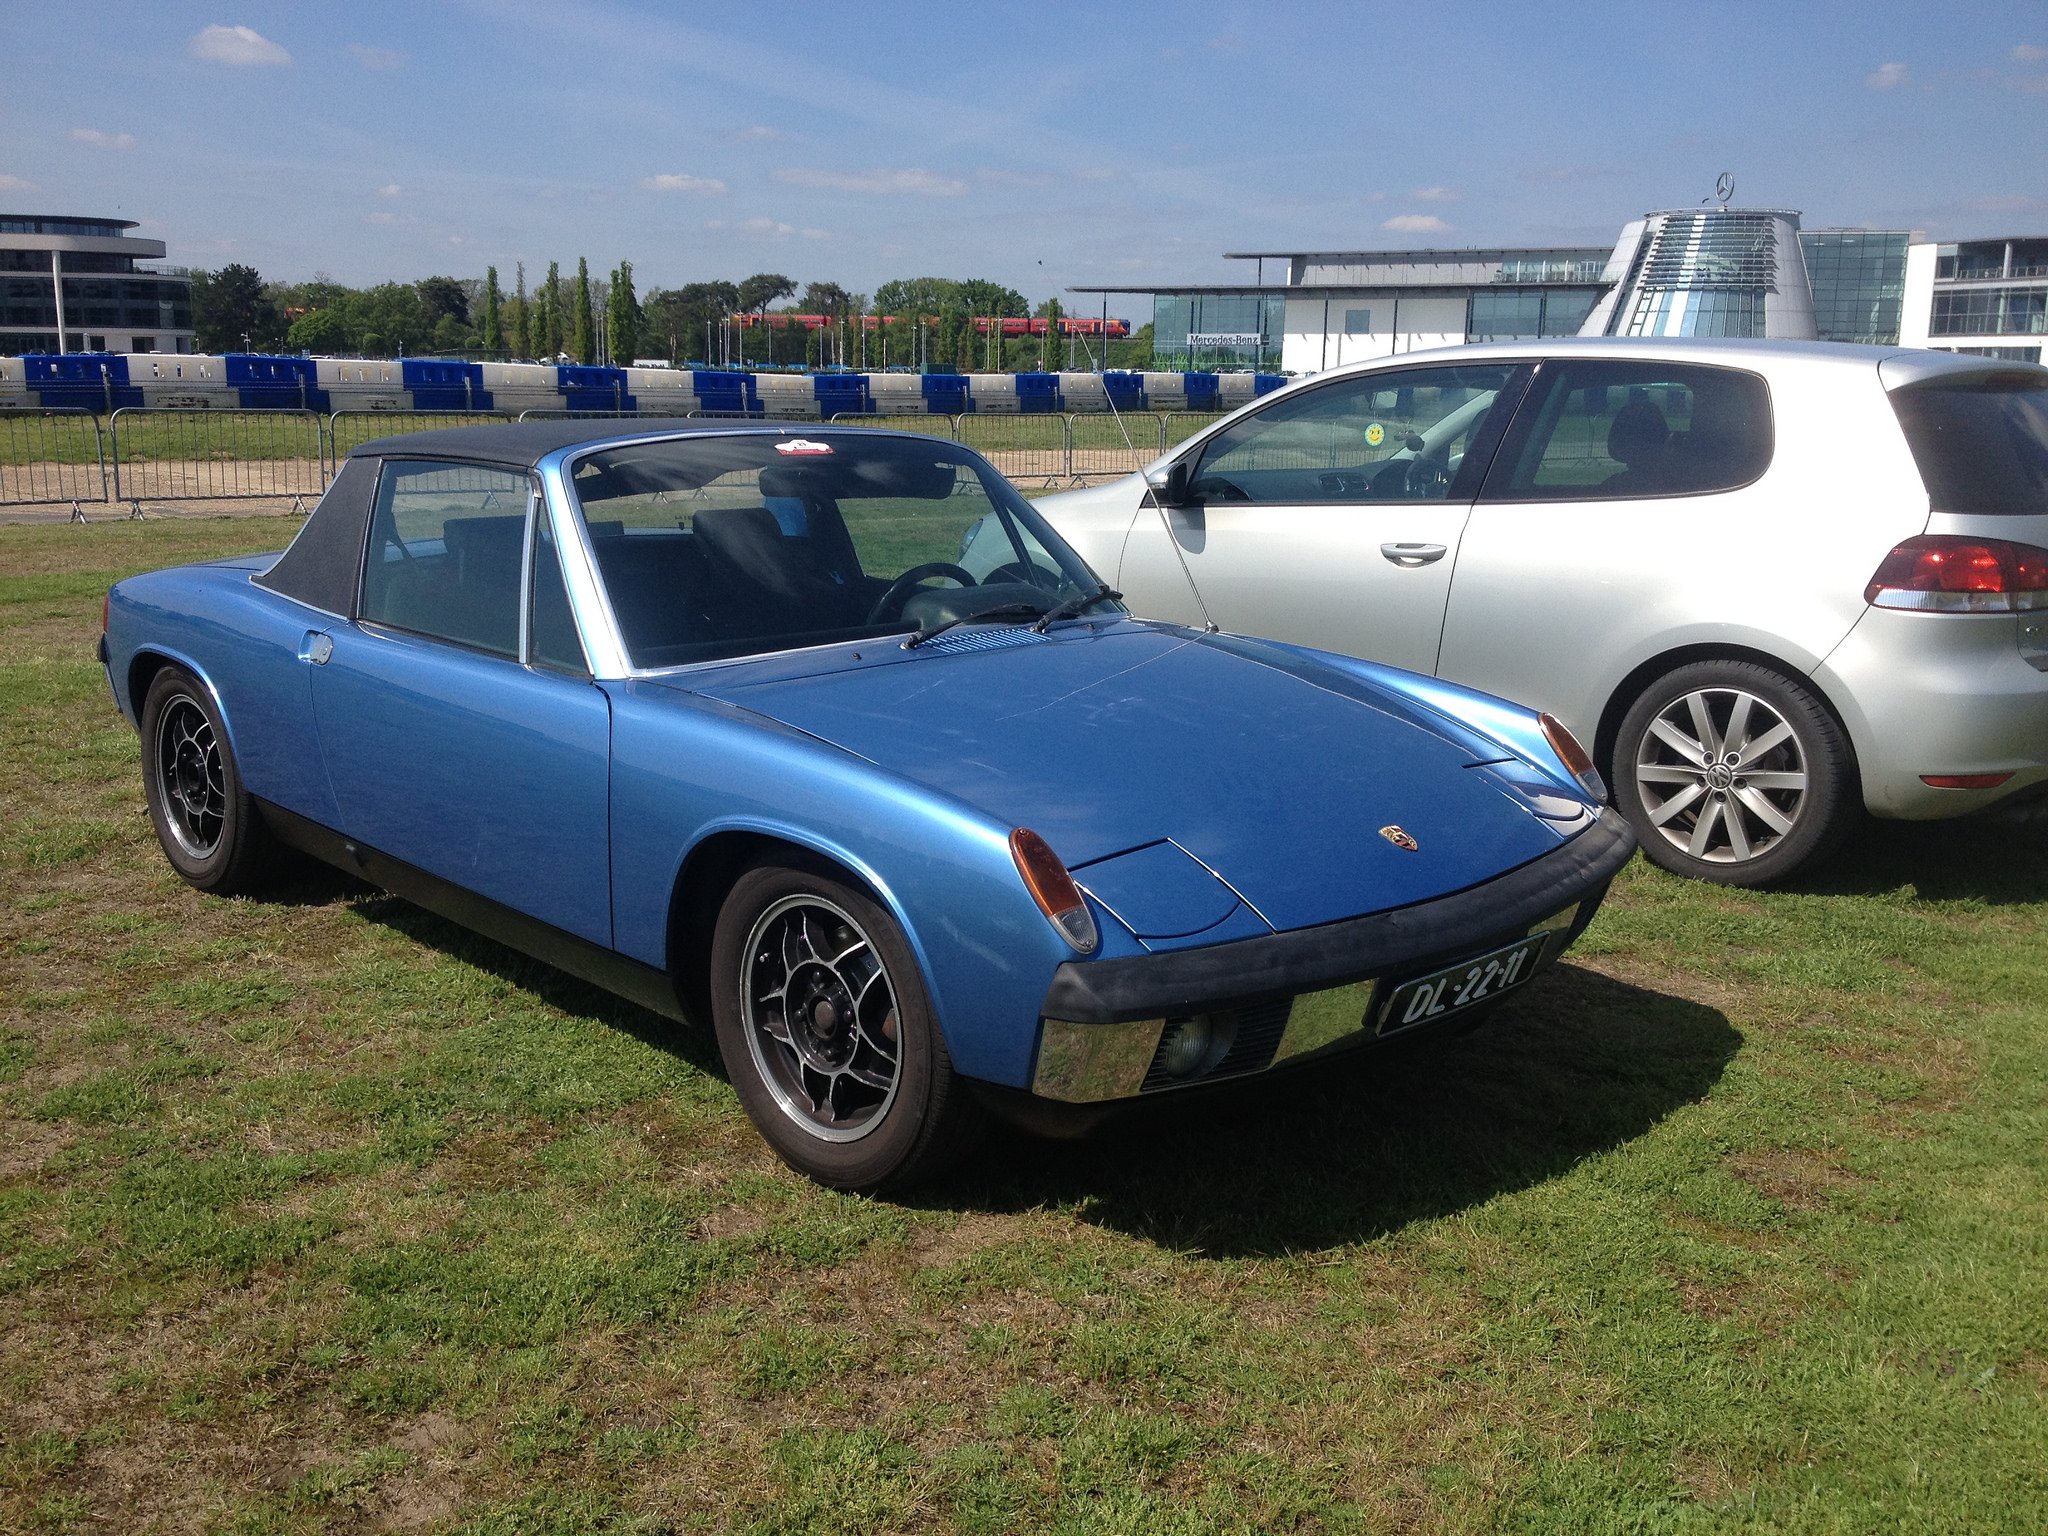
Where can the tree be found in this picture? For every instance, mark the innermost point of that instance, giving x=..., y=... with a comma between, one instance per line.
x=586, y=322
x=1054, y=315
x=232, y=313
x=981, y=297
x=688, y=319
x=551, y=297
x=494, y=330
x=443, y=296
x=522, y=315
x=321, y=330
x=622, y=317
x=914, y=296
x=831, y=301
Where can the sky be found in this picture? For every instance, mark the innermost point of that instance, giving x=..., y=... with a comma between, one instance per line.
x=1042, y=145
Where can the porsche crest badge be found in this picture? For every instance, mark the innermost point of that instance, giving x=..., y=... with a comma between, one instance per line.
x=1399, y=838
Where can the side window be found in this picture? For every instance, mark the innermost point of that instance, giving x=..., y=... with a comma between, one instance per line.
x=1398, y=435
x=446, y=547
x=551, y=632
x=1595, y=430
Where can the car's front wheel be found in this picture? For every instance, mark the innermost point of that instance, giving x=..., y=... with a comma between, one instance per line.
x=827, y=1033
x=208, y=825
x=1733, y=773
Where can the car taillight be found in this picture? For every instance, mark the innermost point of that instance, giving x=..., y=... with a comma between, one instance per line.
x=1949, y=573
x=1046, y=878
x=106, y=610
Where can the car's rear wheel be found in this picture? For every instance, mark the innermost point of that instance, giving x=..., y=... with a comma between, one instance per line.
x=1733, y=773
x=208, y=825
x=827, y=1033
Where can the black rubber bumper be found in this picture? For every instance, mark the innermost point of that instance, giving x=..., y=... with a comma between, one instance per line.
x=1312, y=959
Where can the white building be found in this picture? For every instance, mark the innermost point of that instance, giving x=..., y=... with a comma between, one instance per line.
x=75, y=285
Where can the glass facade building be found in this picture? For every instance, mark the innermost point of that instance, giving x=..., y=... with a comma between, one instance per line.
x=1859, y=282
x=1178, y=316
x=111, y=300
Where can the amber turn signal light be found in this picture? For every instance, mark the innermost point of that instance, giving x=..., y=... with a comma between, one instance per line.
x=1046, y=878
x=1574, y=757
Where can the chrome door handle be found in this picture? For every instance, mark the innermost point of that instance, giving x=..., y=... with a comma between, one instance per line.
x=1409, y=556
x=315, y=648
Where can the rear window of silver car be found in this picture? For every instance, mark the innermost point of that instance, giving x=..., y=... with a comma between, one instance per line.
x=1595, y=429
x=1981, y=441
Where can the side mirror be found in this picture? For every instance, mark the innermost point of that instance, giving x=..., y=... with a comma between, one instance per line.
x=1169, y=483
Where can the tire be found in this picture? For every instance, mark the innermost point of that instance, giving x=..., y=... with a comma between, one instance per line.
x=1688, y=775
x=208, y=825
x=853, y=1087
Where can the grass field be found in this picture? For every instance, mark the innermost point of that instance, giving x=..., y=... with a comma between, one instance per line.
x=317, y=1214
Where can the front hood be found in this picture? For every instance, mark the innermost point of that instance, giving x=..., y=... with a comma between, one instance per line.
x=1105, y=738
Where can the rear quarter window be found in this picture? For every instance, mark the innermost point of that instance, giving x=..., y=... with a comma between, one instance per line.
x=1980, y=441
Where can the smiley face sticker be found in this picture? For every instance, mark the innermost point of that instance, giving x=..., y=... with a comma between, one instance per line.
x=1375, y=434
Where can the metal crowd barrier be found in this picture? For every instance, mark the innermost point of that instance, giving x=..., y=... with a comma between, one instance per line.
x=52, y=455
x=58, y=455
x=173, y=455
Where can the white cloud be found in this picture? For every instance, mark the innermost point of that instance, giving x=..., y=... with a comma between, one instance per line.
x=377, y=58
x=16, y=184
x=390, y=189
x=817, y=234
x=1885, y=76
x=1435, y=194
x=672, y=181
x=1416, y=224
x=100, y=140
x=2031, y=53
x=911, y=179
x=241, y=46
x=759, y=131
x=455, y=240
x=759, y=226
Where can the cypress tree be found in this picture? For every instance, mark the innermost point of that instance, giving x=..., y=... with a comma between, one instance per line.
x=522, y=316
x=586, y=322
x=551, y=297
x=494, y=329
x=622, y=317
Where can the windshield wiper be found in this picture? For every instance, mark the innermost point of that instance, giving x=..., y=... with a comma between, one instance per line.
x=994, y=611
x=1074, y=605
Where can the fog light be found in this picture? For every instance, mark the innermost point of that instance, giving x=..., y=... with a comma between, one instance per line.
x=1189, y=1046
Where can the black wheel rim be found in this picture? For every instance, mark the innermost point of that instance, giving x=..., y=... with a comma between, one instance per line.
x=821, y=1018
x=1722, y=775
x=191, y=780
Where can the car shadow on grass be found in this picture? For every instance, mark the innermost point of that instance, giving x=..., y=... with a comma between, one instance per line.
x=319, y=885
x=1361, y=1145
x=2000, y=858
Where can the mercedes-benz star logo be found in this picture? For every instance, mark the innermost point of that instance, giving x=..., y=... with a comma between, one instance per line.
x=1399, y=838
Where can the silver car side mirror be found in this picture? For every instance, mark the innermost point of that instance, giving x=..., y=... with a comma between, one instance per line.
x=1169, y=483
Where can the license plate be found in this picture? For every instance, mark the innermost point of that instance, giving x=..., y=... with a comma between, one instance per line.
x=1464, y=985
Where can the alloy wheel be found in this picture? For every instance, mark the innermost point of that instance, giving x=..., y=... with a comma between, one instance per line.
x=821, y=1018
x=191, y=778
x=1722, y=775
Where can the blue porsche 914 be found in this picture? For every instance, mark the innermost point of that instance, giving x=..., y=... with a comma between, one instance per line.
x=825, y=737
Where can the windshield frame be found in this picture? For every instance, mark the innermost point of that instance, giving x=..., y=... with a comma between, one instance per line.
x=604, y=639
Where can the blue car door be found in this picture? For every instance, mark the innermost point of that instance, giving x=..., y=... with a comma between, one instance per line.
x=455, y=740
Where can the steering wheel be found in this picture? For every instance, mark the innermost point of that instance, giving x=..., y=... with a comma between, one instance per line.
x=1034, y=574
x=1428, y=478
x=890, y=604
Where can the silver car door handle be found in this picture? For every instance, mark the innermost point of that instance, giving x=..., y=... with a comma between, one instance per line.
x=1412, y=555
x=315, y=648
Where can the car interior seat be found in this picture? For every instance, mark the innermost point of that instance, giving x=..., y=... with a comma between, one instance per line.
x=1638, y=440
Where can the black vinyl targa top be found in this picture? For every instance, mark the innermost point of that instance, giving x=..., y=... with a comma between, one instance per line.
x=325, y=562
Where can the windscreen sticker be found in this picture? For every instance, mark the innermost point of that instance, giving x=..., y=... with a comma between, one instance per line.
x=804, y=446
x=1375, y=434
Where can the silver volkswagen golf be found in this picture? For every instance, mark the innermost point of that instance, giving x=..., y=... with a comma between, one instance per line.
x=1769, y=583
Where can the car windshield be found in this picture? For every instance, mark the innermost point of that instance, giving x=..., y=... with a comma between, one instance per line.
x=735, y=544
